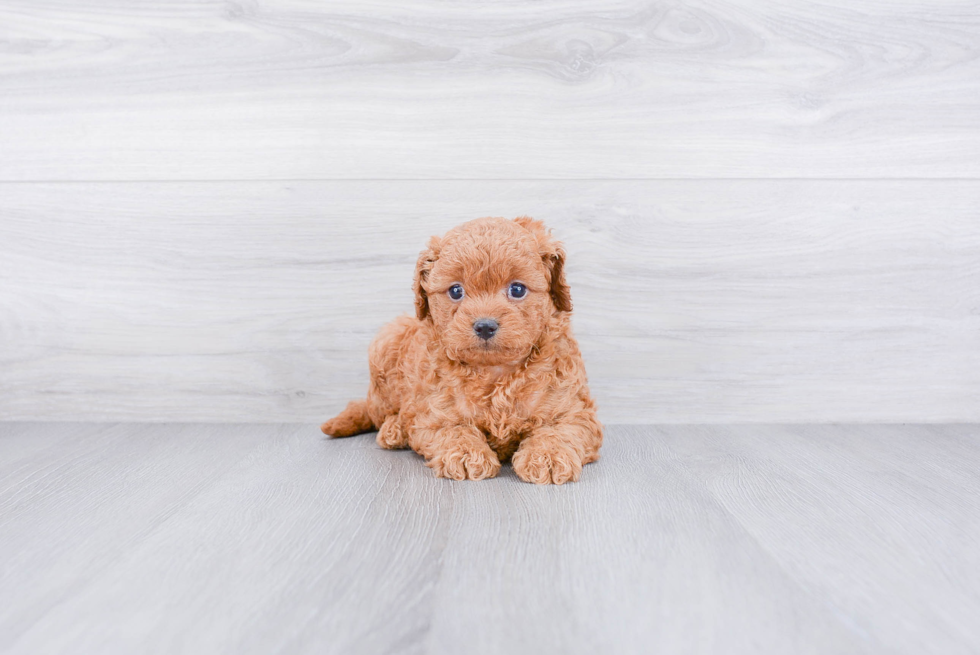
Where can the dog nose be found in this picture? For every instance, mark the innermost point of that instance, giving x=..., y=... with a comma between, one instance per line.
x=485, y=327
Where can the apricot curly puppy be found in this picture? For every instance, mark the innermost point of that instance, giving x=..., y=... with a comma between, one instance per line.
x=488, y=369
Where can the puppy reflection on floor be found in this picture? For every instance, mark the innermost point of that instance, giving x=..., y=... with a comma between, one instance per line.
x=487, y=370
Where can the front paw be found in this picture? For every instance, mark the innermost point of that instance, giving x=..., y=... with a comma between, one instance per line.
x=465, y=458
x=545, y=459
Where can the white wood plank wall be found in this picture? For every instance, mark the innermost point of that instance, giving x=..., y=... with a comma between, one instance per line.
x=772, y=209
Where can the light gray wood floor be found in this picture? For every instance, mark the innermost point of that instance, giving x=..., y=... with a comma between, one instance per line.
x=270, y=538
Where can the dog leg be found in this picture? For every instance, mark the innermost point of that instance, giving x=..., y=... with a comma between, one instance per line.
x=555, y=454
x=459, y=452
x=353, y=420
x=391, y=434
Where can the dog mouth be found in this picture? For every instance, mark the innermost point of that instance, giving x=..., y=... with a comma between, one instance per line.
x=482, y=353
x=476, y=349
x=490, y=346
x=483, y=350
x=491, y=353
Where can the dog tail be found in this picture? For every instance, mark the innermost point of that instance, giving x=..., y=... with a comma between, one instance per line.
x=353, y=420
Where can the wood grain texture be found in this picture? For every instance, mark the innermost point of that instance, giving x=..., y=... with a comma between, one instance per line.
x=696, y=301
x=900, y=505
x=284, y=89
x=734, y=539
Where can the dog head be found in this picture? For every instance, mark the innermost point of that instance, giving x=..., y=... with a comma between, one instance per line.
x=490, y=287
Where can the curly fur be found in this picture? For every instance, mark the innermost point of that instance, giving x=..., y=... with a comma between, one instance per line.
x=468, y=404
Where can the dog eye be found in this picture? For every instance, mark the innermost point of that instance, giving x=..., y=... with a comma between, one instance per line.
x=456, y=292
x=517, y=290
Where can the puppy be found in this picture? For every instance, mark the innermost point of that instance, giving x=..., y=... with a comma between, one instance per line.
x=487, y=370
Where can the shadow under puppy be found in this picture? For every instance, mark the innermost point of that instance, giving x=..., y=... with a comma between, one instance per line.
x=487, y=370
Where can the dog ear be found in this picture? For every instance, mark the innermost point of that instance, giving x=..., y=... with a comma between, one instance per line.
x=553, y=254
x=561, y=295
x=427, y=258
